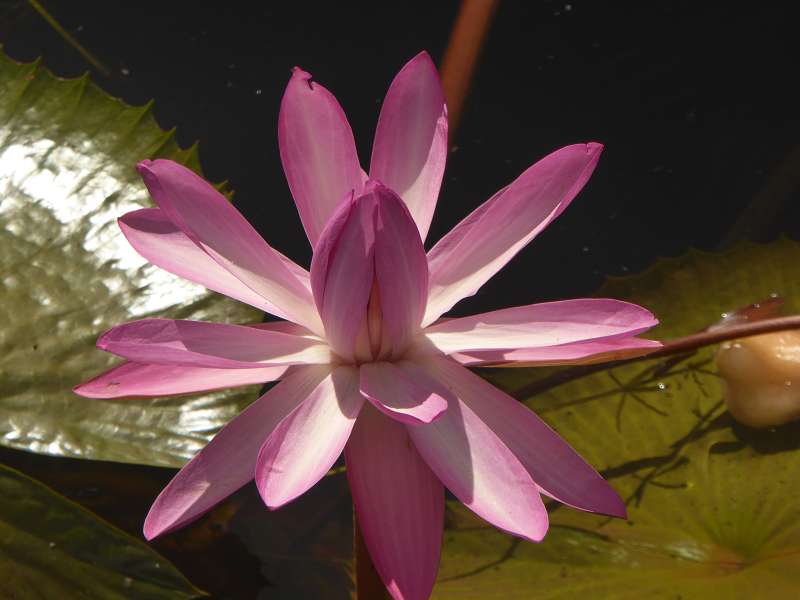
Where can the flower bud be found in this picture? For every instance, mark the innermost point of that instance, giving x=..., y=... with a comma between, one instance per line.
x=762, y=378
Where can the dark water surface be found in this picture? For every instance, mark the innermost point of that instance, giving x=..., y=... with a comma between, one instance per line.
x=697, y=104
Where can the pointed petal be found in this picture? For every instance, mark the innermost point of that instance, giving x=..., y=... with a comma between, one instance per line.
x=578, y=353
x=164, y=244
x=142, y=380
x=342, y=272
x=228, y=461
x=404, y=392
x=478, y=247
x=304, y=446
x=481, y=471
x=555, y=467
x=546, y=324
x=399, y=505
x=214, y=225
x=410, y=146
x=401, y=270
x=214, y=345
x=317, y=151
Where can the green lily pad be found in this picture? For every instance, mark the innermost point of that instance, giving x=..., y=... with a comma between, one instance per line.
x=713, y=506
x=67, y=157
x=52, y=548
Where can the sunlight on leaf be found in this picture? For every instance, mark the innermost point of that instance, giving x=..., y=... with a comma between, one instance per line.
x=67, y=156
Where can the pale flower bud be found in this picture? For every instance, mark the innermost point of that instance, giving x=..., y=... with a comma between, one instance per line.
x=762, y=378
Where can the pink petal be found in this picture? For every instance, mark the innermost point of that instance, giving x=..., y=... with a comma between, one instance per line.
x=370, y=239
x=555, y=467
x=228, y=461
x=478, y=247
x=401, y=270
x=214, y=345
x=304, y=446
x=399, y=505
x=211, y=222
x=546, y=324
x=404, y=392
x=317, y=151
x=164, y=244
x=575, y=353
x=134, y=379
x=342, y=271
x=283, y=327
x=410, y=146
x=480, y=470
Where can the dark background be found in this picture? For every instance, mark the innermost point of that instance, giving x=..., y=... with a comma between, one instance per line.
x=696, y=103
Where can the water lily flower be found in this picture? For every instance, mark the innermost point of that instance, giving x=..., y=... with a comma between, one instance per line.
x=366, y=364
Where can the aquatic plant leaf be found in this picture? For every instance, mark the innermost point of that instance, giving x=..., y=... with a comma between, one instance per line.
x=52, y=548
x=67, y=156
x=713, y=506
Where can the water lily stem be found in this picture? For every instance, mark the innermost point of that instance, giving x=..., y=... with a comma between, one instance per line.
x=68, y=38
x=368, y=583
x=684, y=345
x=462, y=54
x=724, y=334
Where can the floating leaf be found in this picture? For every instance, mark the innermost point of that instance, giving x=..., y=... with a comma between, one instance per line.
x=713, y=507
x=67, y=156
x=53, y=548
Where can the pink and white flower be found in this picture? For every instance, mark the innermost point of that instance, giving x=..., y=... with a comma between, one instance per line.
x=366, y=365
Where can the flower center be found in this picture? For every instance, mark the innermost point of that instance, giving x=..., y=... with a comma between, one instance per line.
x=372, y=343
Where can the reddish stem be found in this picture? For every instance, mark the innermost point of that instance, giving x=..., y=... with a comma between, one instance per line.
x=462, y=53
x=723, y=334
x=683, y=345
